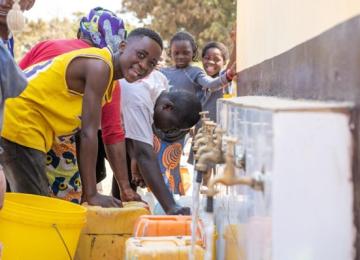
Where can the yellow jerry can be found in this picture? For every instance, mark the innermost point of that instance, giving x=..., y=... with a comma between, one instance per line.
x=161, y=248
x=106, y=231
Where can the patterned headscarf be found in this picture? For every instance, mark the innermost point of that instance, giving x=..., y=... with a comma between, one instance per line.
x=103, y=28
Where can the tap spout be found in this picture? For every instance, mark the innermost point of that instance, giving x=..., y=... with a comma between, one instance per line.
x=256, y=184
x=213, y=156
x=229, y=178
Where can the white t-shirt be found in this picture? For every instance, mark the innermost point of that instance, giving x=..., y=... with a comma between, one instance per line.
x=138, y=101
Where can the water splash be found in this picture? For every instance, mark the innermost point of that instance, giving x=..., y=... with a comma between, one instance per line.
x=195, y=216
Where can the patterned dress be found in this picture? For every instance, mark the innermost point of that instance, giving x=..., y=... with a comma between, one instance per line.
x=169, y=155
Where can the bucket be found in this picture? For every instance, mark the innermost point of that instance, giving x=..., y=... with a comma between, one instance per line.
x=37, y=227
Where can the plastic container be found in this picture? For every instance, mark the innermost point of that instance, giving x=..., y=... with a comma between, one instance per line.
x=37, y=227
x=107, y=229
x=150, y=225
x=234, y=244
x=161, y=248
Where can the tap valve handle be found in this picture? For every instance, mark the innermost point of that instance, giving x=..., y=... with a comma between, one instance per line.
x=204, y=117
x=204, y=114
x=230, y=142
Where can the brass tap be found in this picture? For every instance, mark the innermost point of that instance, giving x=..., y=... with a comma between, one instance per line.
x=213, y=154
x=207, y=138
x=204, y=114
x=201, y=131
x=228, y=177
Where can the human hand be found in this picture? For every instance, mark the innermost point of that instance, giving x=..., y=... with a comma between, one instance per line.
x=26, y=5
x=231, y=72
x=137, y=180
x=136, y=177
x=129, y=195
x=102, y=200
x=178, y=210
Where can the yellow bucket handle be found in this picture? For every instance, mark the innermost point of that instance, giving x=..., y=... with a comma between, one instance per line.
x=62, y=240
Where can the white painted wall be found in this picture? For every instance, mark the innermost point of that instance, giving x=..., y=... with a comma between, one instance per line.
x=266, y=28
x=312, y=198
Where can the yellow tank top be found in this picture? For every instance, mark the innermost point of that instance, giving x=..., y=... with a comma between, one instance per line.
x=47, y=108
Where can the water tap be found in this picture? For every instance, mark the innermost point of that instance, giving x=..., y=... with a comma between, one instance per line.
x=228, y=178
x=201, y=131
x=206, y=142
x=214, y=154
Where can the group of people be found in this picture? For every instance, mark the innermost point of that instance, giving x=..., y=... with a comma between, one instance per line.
x=73, y=102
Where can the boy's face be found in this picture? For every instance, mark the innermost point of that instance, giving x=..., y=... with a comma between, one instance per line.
x=5, y=7
x=164, y=119
x=139, y=57
x=213, y=61
x=181, y=53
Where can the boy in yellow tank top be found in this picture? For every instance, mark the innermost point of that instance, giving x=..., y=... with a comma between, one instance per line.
x=64, y=95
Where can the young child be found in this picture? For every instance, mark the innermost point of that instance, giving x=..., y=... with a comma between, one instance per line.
x=214, y=57
x=183, y=75
x=148, y=107
x=81, y=82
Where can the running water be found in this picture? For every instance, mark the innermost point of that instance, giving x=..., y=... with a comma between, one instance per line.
x=209, y=235
x=195, y=214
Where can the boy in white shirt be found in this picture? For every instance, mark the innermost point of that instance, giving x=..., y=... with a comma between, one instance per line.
x=147, y=105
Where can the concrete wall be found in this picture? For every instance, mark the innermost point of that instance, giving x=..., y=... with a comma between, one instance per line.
x=303, y=49
x=266, y=28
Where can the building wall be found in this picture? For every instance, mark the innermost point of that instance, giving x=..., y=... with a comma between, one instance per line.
x=303, y=49
x=266, y=28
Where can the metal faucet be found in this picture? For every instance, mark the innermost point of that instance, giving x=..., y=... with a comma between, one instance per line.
x=206, y=143
x=213, y=155
x=201, y=131
x=228, y=177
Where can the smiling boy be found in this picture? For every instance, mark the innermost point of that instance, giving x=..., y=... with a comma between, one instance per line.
x=81, y=82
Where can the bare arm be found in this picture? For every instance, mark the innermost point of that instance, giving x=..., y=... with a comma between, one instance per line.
x=94, y=74
x=207, y=82
x=150, y=171
x=113, y=136
x=232, y=59
x=116, y=154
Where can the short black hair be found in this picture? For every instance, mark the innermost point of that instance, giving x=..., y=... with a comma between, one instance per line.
x=186, y=36
x=140, y=32
x=186, y=107
x=218, y=45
